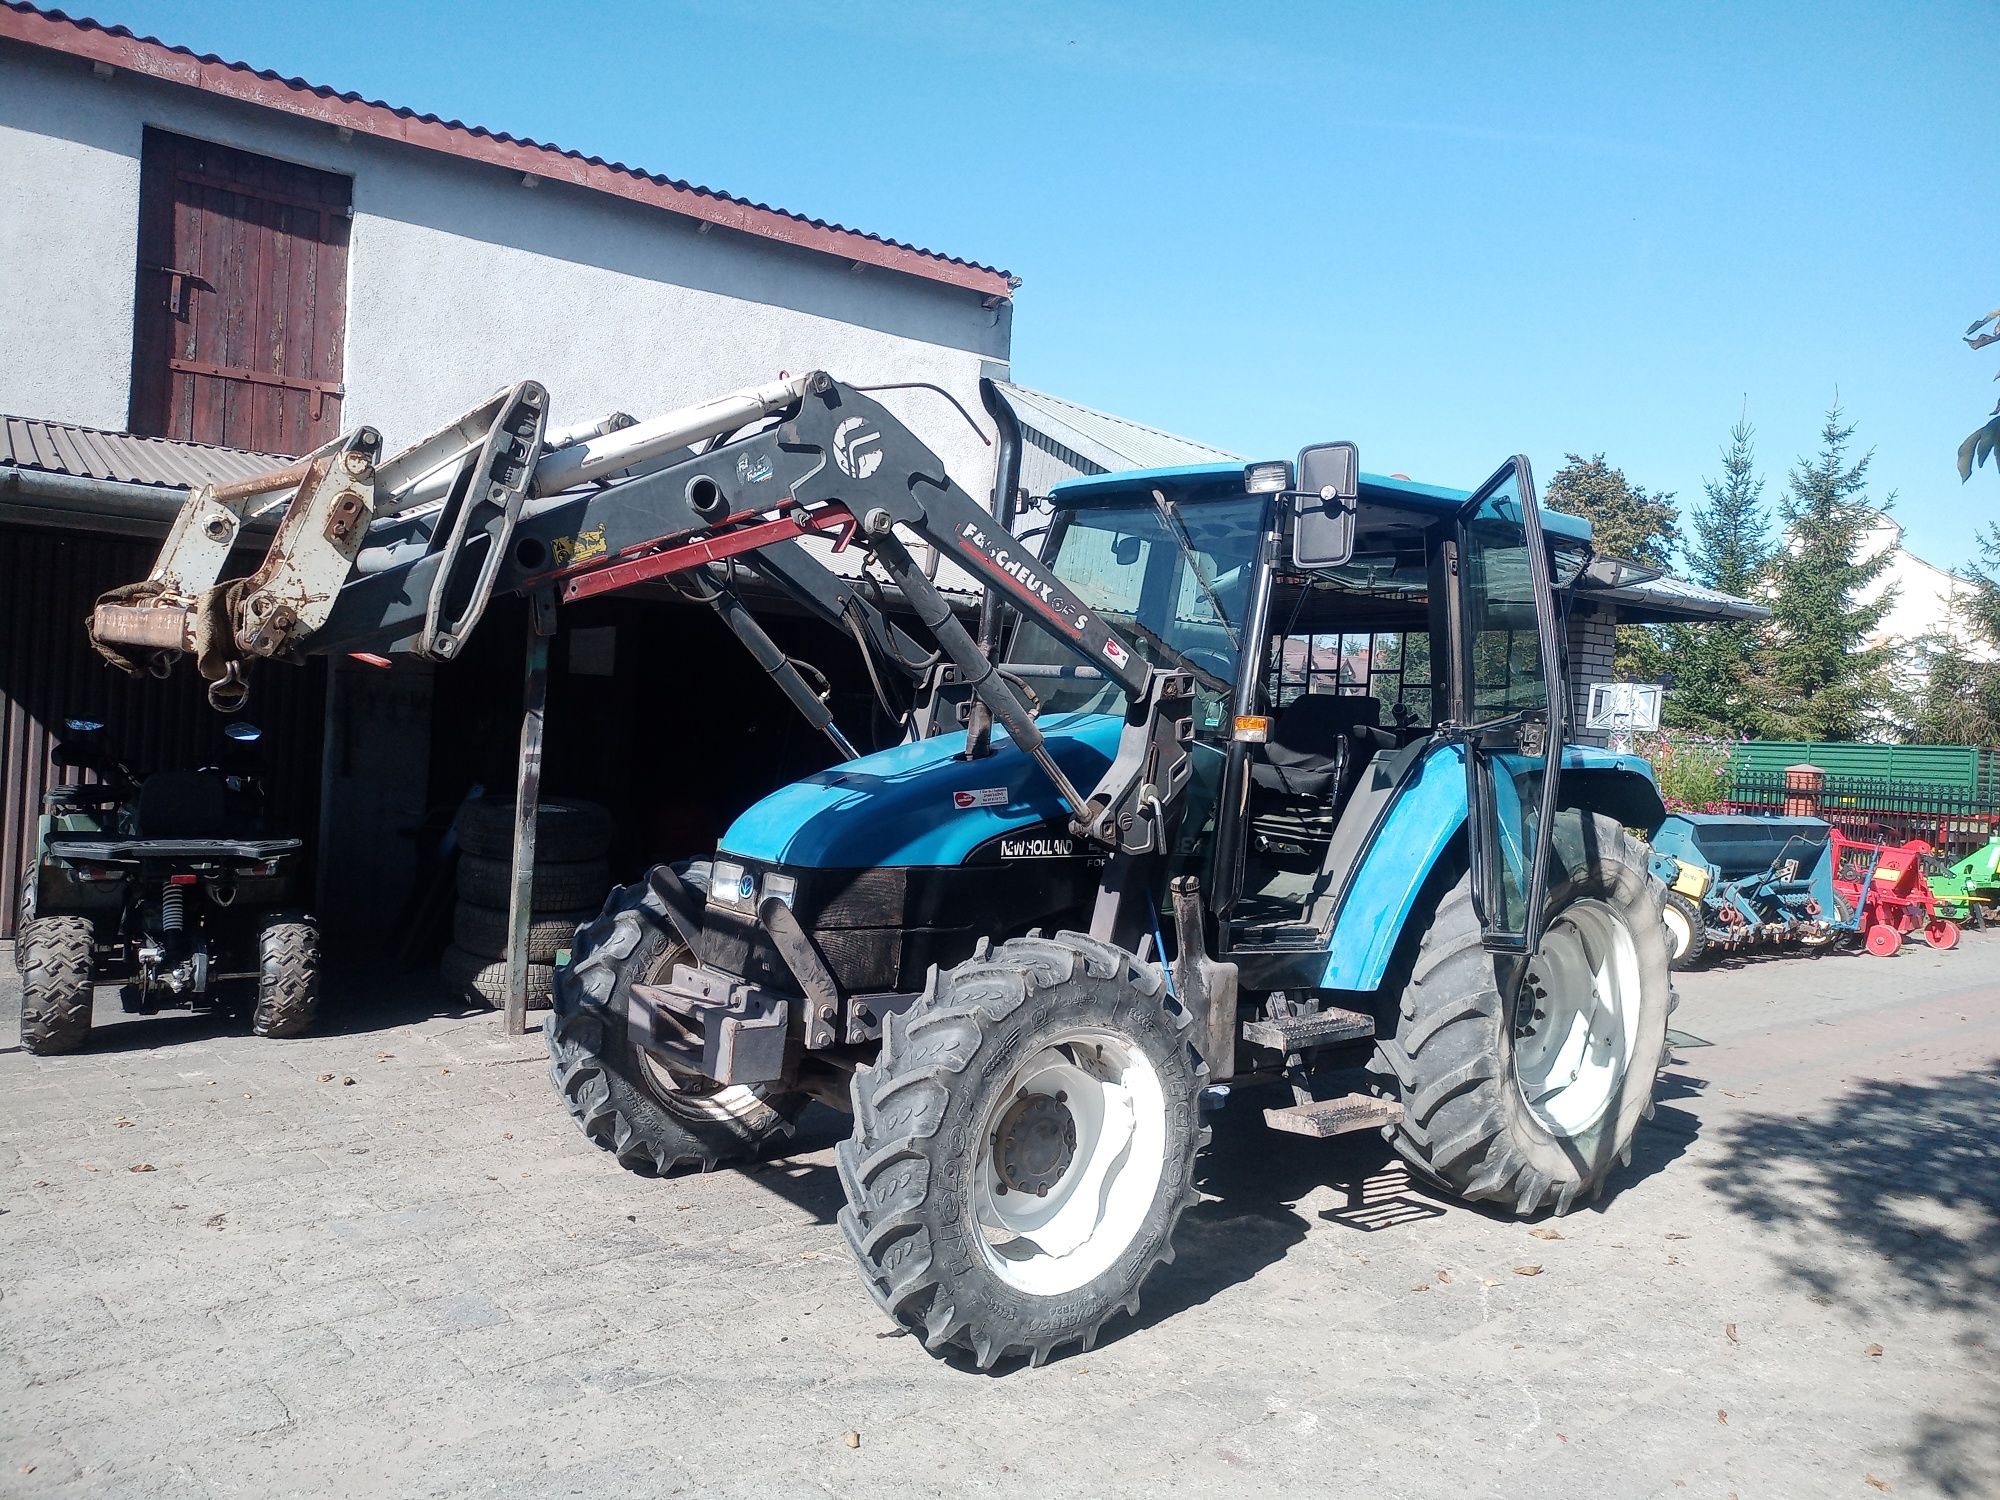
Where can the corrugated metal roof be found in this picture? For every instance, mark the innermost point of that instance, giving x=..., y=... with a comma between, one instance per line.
x=120, y=457
x=118, y=46
x=1112, y=443
x=1666, y=598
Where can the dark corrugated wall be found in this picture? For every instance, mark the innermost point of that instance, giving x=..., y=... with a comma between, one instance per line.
x=49, y=673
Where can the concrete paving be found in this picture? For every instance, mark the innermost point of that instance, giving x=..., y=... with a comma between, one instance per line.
x=381, y=1261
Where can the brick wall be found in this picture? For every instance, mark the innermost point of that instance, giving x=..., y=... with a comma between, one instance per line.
x=1592, y=646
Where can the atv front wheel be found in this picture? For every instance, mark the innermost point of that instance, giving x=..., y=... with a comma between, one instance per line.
x=1024, y=1147
x=287, y=977
x=651, y=1115
x=54, y=958
x=1529, y=1091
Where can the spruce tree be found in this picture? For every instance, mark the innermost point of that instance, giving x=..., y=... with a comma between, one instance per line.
x=1729, y=549
x=1818, y=677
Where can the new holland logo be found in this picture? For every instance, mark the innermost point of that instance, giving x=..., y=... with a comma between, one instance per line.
x=1039, y=846
x=857, y=448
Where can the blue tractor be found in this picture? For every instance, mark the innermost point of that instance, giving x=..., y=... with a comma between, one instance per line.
x=1278, y=794
x=1251, y=775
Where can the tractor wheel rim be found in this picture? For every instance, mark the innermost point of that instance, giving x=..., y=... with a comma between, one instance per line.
x=1578, y=1019
x=1072, y=1151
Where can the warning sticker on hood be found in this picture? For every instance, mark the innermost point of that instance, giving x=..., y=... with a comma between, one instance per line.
x=985, y=796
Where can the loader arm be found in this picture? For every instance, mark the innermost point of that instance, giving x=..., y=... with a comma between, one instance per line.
x=475, y=511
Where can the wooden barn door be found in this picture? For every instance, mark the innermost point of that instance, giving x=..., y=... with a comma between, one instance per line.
x=242, y=298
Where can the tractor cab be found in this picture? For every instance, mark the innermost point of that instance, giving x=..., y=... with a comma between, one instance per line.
x=1336, y=642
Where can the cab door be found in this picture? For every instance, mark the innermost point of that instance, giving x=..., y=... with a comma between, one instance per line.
x=1508, y=699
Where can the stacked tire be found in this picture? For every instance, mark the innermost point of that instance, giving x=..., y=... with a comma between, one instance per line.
x=571, y=878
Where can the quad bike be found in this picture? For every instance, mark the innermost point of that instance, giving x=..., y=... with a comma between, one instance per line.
x=166, y=886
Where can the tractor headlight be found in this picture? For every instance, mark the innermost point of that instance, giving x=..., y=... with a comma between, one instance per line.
x=730, y=883
x=1267, y=479
x=784, y=887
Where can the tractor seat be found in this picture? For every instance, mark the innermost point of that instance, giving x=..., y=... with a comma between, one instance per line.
x=182, y=805
x=1318, y=744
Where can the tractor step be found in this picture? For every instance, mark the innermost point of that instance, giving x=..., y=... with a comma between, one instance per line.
x=1302, y=1033
x=1325, y=1117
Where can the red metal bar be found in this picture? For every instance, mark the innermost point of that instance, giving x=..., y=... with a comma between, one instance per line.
x=831, y=520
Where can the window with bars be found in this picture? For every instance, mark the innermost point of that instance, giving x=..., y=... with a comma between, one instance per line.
x=1392, y=666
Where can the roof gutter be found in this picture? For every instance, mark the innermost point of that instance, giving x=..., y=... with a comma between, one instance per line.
x=35, y=497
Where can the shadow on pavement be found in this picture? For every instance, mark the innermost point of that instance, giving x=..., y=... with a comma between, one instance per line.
x=1912, y=1172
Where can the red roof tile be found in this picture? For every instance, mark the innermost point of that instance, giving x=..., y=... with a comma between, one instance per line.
x=118, y=47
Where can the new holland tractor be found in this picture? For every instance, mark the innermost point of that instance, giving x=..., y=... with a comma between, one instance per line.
x=1252, y=775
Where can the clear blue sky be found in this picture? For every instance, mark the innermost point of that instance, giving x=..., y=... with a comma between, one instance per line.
x=1447, y=233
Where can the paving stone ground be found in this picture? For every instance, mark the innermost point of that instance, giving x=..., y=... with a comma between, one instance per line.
x=382, y=1261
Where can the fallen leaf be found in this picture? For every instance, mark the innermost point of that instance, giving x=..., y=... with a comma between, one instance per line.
x=1729, y=1332
x=508, y=1136
x=214, y=1221
x=631, y=1218
x=141, y=1166
x=1545, y=1234
x=176, y=1205
x=1421, y=1286
x=88, y=1167
x=1722, y=1417
x=1880, y=1484
x=39, y=1182
x=443, y=1071
x=852, y=1439
x=1674, y=1234
x=1527, y=1270
x=1488, y=1281
x=1873, y=1351
x=121, y=1123
x=326, y=1078
x=1821, y=1298
x=384, y=1056
x=347, y=1083
x=1444, y=1278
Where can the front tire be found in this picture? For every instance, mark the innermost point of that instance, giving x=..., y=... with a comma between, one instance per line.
x=288, y=989
x=649, y=1115
x=1535, y=1103
x=54, y=958
x=1024, y=1147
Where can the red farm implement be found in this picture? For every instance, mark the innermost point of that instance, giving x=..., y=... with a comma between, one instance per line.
x=1885, y=889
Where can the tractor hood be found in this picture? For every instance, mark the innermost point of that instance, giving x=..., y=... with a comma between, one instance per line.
x=921, y=803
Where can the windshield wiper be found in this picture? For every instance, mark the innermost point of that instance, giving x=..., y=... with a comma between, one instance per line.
x=1173, y=519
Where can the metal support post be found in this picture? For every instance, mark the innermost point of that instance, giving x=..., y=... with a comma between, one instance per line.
x=527, y=803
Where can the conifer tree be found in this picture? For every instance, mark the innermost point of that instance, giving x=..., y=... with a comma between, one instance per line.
x=1729, y=549
x=1819, y=676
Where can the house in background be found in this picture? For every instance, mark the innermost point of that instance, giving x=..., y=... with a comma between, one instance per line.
x=204, y=263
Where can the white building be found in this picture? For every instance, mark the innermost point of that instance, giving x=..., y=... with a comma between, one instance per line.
x=194, y=250
x=1928, y=602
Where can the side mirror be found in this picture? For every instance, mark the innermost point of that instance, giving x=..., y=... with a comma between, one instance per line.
x=1323, y=525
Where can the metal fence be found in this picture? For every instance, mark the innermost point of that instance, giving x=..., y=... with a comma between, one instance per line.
x=1881, y=809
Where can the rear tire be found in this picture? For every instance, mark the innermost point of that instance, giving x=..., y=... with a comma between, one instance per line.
x=54, y=955
x=287, y=977
x=1063, y=1067
x=1687, y=933
x=1465, y=1076
x=650, y=1116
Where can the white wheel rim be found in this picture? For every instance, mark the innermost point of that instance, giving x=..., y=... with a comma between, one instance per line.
x=1092, y=1212
x=1679, y=938
x=1578, y=1018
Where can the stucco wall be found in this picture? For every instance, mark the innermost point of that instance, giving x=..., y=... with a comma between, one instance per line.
x=460, y=279
x=69, y=227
